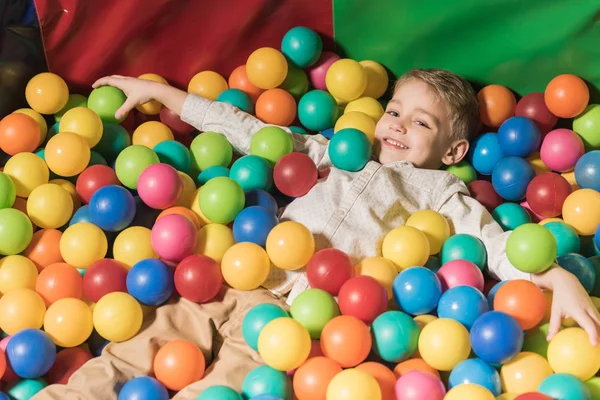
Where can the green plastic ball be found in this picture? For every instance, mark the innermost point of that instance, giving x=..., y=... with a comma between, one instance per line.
x=267, y=380
x=237, y=98
x=510, y=216
x=464, y=247
x=175, y=154
x=395, y=336
x=299, y=129
x=271, y=143
x=317, y=110
x=105, y=101
x=96, y=159
x=567, y=240
x=350, y=149
x=75, y=100
x=209, y=149
x=257, y=318
x=113, y=141
x=16, y=231
x=221, y=200
x=8, y=191
x=296, y=83
x=463, y=171
x=587, y=125
x=535, y=340
x=252, y=172
x=25, y=389
x=531, y=248
x=210, y=173
x=593, y=385
x=132, y=162
x=314, y=308
x=219, y=392
x=564, y=386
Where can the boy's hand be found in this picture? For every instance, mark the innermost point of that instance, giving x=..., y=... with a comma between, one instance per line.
x=138, y=91
x=569, y=300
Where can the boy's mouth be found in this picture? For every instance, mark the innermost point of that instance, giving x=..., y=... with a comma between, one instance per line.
x=394, y=143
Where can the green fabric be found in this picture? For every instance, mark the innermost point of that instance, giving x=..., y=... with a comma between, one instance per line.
x=516, y=43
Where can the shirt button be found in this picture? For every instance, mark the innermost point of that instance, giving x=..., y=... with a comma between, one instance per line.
x=340, y=212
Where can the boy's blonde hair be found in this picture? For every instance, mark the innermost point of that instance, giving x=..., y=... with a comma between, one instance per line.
x=456, y=93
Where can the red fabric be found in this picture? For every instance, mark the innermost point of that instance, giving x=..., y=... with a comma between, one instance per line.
x=85, y=40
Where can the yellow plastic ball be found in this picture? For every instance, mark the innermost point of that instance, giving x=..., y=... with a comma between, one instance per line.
x=47, y=93
x=133, y=245
x=357, y=120
x=152, y=107
x=367, y=105
x=346, y=79
x=406, y=247
x=444, y=343
x=38, y=118
x=195, y=207
x=27, y=171
x=469, y=391
x=380, y=269
x=595, y=301
x=423, y=320
x=68, y=322
x=434, y=225
x=214, y=240
x=21, y=309
x=581, y=210
x=377, y=79
x=70, y=188
x=84, y=122
x=538, y=165
x=50, y=206
x=266, y=68
x=151, y=133
x=245, y=266
x=524, y=373
x=290, y=245
x=353, y=384
x=67, y=154
x=189, y=190
x=117, y=316
x=284, y=344
x=570, y=352
x=82, y=244
x=207, y=84
x=507, y=396
x=17, y=272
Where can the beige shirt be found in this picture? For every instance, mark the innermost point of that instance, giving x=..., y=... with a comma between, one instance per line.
x=352, y=211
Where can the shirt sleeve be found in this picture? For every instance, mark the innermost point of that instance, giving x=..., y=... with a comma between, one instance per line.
x=239, y=127
x=467, y=215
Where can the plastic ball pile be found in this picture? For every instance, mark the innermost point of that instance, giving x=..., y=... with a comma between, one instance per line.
x=102, y=220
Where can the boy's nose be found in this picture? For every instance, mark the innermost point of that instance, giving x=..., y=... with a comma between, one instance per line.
x=397, y=127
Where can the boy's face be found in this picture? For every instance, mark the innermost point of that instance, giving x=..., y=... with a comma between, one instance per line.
x=415, y=127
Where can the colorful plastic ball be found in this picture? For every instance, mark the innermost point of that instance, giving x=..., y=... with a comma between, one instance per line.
x=266, y=68
x=151, y=107
x=350, y=150
x=92, y=179
x=219, y=392
x=178, y=364
x=211, y=173
x=586, y=125
x=19, y=133
x=67, y=362
x=264, y=380
x=329, y=269
x=150, y=281
x=433, y=225
x=59, y=281
x=174, y=237
x=531, y=248
x=8, y=191
x=511, y=176
x=82, y=244
x=469, y=391
x=559, y=386
x=444, y=343
x=346, y=79
x=284, y=344
x=151, y=133
x=416, y=385
x=570, y=352
x=159, y=186
x=377, y=79
x=357, y=120
x=38, y=119
x=214, y=240
x=386, y=380
x=366, y=105
x=132, y=161
x=406, y=247
x=313, y=377
x=47, y=93
x=296, y=83
x=346, y=340
x=483, y=192
x=49, y=206
x=314, y=308
x=522, y=300
x=174, y=154
x=133, y=245
x=245, y=266
x=353, y=384
x=143, y=387
x=587, y=171
x=209, y=149
x=417, y=290
x=257, y=318
x=237, y=98
x=105, y=101
x=21, y=309
x=112, y=208
x=485, y=152
x=16, y=231
x=533, y=106
x=208, y=84
x=67, y=154
x=463, y=171
x=464, y=247
x=117, y=316
x=84, y=122
x=382, y=270
x=221, y=199
x=581, y=210
x=198, y=278
x=496, y=105
x=460, y=272
x=317, y=110
x=581, y=267
x=114, y=140
x=318, y=70
x=31, y=353
x=301, y=46
x=68, y=322
x=27, y=171
x=17, y=272
x=238, y=79
x=566, y=96
x=290, y=245
x=567, y=240
x=519, y=137
x=277, y=107
x=261, y=198
x=524, y=373
x=174, y=122
x=547, y=193
x=271, y=143
x=561, y=148
x=476, y=371
x=395, y=336
x=295, y=174
x=103, y=277
x=510, y=216
x=363, y=297
x=252, y=172
x=496, y=337
x=463, y=304
x=253, y=224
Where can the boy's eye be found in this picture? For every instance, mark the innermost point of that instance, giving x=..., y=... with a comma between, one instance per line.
x=421, y=123
x=393, y=113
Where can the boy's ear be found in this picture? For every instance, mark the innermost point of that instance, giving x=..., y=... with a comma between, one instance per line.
x=456, y=152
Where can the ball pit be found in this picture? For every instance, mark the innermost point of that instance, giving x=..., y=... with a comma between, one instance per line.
x=178, y=363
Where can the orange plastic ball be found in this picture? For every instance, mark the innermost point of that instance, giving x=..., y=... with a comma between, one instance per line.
x=566, y=96
x=208, y=84
x=151, y=133
x=186, y=212
x=313, y=377
x=414, y=364
x=239, y=80
x=384, y=377
x=522, y=300
x=347, y=340
x=19, y=133
x=266, y=67
x=59, y=281
x=67, y=154
x=178, y=364
x=44, y=248
x=496, y=105
x=277, y=107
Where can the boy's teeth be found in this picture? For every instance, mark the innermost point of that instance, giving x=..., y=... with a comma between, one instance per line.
x=396, y=143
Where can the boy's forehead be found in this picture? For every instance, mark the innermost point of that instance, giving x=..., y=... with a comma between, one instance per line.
x=418, y=94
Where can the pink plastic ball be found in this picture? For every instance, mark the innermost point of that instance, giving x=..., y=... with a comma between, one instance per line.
x=561, y=148
x=9, y=374
x=318, y=72
x=419, y=385
x=159, y=186
x=173, y=237
x=460, y=273
x=535, y=217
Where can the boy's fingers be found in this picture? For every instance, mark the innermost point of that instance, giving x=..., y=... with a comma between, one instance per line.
x=593, y=313
x=554, y=325
x=107, y=81
x=125, y=108
x=590, y=327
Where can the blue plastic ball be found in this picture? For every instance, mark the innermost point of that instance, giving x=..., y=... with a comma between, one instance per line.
x=5, y=397
x=150, y=281
x=519, y=137
x=567, y=240
x=581, y=267
x=496, y=337
x=417, y=290
x=252, y=172
x=478, y=372
x=328, y=133
x=112, y=208
x=209, y=173
x=485, y=153
x=564, y=386
x=587, y=171
x=463, y=304
x=31, y=353
x=511, y=176
x=81, y=215
x=256, y=319
x=317, y=110
x=349, y=149
x=395, y=336
x=510, y=216
x=219, y=392
x=492, y=294
x=143, y=387
x=253, y=224
x=113, y=141
x=265, y=380
x=464, y=247
x=237, y=98
x=175, y=154
x=261, y=198
x=302, y=46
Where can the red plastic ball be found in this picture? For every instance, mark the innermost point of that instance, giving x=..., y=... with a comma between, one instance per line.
x=92, y=179
x=363, y=297
x=174, y=122
x=198, y=278
x=533, y=396
x=546, y=194
x=68, y=361
x=534, y=107
x=103, y=277
x=295, y=174
x=328, y=270
x=483, y=192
